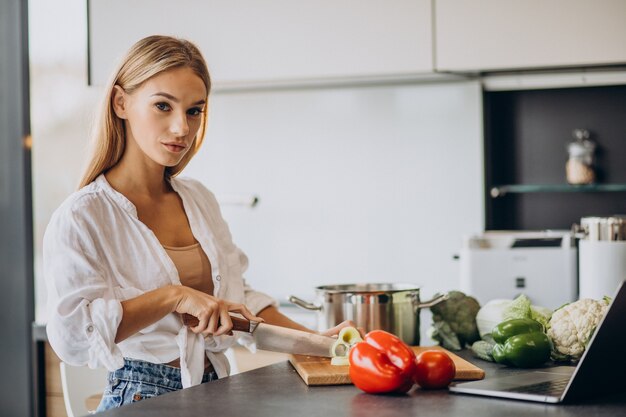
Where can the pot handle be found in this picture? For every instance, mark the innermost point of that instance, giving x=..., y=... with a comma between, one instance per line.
x=304, y=304
x=435, y=300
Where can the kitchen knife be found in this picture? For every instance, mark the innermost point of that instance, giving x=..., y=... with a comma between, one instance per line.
x=278, y=338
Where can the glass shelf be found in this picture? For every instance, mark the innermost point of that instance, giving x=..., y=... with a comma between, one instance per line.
x=502, y=190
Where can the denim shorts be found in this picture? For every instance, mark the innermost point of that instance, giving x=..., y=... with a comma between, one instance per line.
x=138, y=380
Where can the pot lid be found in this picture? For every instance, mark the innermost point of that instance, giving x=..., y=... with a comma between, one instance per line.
x=367, y=287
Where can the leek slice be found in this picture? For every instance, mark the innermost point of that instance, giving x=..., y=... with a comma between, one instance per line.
x=340, y=361
x=340, y=349
x=348, y=337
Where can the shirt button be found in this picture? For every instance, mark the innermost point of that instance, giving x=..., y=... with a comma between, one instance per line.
x=218, y=278
x=90, y=328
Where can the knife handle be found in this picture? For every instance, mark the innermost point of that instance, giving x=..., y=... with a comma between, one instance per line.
x=239, y=324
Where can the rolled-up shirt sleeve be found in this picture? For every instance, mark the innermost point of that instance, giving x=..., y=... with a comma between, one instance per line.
x=83, y=313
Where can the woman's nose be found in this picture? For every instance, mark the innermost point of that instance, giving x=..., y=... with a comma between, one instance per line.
x=179, y=125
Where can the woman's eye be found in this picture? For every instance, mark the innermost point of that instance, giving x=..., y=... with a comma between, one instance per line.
x=195, y=111
x=162, y=106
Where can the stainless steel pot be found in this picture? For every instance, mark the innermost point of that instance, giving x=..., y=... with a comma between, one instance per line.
x=390, y=307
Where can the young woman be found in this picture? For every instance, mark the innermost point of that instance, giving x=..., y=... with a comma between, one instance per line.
x=136, y=249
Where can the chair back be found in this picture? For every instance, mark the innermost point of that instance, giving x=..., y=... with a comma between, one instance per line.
x=80, y=383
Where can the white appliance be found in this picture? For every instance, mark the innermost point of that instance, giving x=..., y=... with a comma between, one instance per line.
x=505, y=264
x=602, y=255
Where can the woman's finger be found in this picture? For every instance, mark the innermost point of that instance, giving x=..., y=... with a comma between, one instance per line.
x=226, y=324
x=352, y=324
x=243, y=310
x=361, y=331
x=333, y=331
x=213, y=323
x=202, y=323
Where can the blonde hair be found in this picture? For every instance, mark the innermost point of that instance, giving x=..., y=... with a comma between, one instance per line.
x=145, y=59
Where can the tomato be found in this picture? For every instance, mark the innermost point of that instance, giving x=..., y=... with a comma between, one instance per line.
x=434, y=369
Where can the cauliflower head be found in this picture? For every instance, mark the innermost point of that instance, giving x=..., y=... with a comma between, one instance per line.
x=571, y=326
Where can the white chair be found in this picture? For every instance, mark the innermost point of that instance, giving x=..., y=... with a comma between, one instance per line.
x=80, y=383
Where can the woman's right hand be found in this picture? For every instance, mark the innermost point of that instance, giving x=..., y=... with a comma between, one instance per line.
x=211, y=312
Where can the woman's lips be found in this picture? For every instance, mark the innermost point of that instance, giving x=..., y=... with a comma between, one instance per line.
x=175, y=148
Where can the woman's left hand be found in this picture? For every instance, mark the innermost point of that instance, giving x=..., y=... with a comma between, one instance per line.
x=334, y=331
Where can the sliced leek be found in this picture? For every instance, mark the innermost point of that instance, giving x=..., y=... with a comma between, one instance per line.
x=340, y=361
x=348, y=337
x=340, y=348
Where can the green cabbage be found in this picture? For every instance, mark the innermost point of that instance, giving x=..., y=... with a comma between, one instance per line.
x=497, y=311
x=517, y=309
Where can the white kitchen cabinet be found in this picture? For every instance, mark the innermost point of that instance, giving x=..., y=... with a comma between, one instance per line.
x=251, y=42
x=482, y=35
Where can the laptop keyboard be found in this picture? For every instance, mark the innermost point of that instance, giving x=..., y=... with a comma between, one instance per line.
x=550, y=388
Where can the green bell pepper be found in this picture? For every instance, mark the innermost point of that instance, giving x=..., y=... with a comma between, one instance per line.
x=514, y=327
x=521, y=343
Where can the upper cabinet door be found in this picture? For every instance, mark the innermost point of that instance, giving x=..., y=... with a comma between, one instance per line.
x=252, y=41
x=513, y=34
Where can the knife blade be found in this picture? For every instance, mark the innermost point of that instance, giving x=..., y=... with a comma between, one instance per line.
x=278, y=338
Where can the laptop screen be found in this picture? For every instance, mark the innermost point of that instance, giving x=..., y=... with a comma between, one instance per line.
x=603, y=365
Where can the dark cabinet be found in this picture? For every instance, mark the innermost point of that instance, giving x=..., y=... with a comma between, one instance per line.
x=526, y=137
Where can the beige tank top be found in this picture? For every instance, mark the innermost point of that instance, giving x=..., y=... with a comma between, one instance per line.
x=194, y=268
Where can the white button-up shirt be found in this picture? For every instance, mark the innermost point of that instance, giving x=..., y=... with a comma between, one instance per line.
x=97, y=253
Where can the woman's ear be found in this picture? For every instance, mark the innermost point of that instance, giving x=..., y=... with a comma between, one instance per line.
x=118, y=101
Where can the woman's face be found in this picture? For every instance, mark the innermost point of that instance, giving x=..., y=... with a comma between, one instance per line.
x=162, y=116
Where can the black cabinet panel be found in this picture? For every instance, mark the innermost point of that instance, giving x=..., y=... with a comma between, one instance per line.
x=526, y=137
x=539, y=211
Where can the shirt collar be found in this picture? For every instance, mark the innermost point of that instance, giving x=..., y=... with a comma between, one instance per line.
x=118, y=197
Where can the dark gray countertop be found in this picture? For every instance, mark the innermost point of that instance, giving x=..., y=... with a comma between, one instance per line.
x=277, y=391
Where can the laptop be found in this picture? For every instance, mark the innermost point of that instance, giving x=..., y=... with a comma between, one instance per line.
x=600, y=371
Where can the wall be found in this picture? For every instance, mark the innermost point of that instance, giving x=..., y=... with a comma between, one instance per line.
x=61, y=110
x=355, y=184
x=373, y=183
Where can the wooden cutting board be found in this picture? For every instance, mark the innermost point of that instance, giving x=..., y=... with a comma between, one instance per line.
x=318, y=371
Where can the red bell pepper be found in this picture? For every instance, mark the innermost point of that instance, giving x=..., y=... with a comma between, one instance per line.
x=382, y=363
